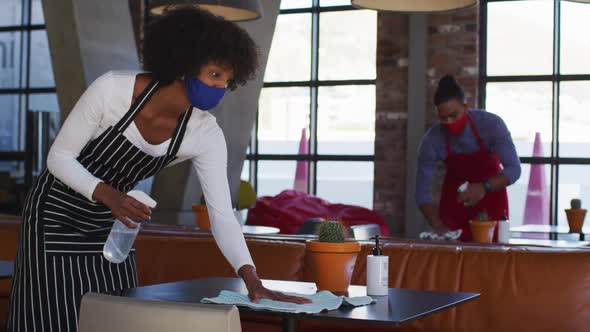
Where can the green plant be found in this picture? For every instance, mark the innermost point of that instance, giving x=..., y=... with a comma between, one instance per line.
x=482, y=216
x=331, y=231
x=202, y=200
x=576, y=203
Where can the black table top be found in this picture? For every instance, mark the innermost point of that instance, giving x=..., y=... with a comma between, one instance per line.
x=6, y=269
x=401, y=305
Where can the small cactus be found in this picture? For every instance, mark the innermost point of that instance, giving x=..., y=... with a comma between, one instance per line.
x=332, y=231
x=483, y=216
x=576, y=203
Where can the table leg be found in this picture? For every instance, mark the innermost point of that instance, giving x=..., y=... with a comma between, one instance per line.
x=289, y=324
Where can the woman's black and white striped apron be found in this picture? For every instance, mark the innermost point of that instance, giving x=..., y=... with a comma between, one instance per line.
x=60, y=248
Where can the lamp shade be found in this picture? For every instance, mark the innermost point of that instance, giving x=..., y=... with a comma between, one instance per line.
x=414, y=5
x=231, y=10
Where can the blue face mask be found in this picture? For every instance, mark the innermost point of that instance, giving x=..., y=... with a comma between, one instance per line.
x=201, y=95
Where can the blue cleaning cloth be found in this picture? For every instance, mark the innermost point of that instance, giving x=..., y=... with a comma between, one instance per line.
x=321, y=301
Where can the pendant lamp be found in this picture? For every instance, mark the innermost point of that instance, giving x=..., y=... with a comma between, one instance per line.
x=231, y=10
x=415, y=5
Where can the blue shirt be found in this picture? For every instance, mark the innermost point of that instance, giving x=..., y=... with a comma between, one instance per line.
x=494, y=134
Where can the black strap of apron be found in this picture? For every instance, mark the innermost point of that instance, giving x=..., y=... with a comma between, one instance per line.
x=141, y=100
x=179, y=132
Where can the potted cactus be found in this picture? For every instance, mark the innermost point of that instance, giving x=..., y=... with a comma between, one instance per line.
x=332, y=257
x=482, y=228
x=575, y=216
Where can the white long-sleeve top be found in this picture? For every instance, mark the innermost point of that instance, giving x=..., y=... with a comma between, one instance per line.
x=102, y=105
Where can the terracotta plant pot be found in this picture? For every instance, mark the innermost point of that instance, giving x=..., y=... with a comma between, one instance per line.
x=202, y=217
x=575, y=219
x=482, y=231
x=332, y=263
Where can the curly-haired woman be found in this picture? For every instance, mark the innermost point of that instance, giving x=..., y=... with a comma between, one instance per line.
x=126, y=127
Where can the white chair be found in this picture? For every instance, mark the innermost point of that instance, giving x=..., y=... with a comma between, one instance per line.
x=99, y=313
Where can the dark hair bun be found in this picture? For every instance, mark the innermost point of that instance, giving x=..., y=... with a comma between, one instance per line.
x=448, y=89
x=447, y=82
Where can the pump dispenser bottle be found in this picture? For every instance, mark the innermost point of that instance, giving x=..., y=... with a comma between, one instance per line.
x=504, y=229
x=377, y=271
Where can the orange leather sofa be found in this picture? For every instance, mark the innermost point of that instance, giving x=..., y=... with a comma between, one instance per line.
x=9, y=228
x=523, y=288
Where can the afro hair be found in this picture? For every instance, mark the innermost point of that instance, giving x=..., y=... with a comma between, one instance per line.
x=181, y=40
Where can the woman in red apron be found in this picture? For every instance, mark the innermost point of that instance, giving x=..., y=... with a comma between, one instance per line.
x=476, y=147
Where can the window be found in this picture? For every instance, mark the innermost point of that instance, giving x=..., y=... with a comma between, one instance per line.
x=27, y=92
x=319, y=84
x=537, y=76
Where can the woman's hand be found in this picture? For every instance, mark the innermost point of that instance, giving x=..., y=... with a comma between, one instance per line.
x=264, y=293
x=473, y=194
x=122, y=206
x=256, y=291
x=440, y=229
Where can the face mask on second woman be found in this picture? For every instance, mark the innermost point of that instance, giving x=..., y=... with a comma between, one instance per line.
x=457, y=126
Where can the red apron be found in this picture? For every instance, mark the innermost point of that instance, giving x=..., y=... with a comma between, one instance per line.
x=473, y=167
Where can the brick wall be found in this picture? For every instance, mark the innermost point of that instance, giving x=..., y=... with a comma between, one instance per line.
x=452, y=49
x=391, y=117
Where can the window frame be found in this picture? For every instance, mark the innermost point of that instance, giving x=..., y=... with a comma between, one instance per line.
x=556, y=78
x=29, y=155
x=253, y=157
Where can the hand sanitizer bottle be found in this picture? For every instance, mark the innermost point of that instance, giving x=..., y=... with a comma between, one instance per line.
x=504, y=229
x=463, y=187
x=377, y=271
x=121, y=237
